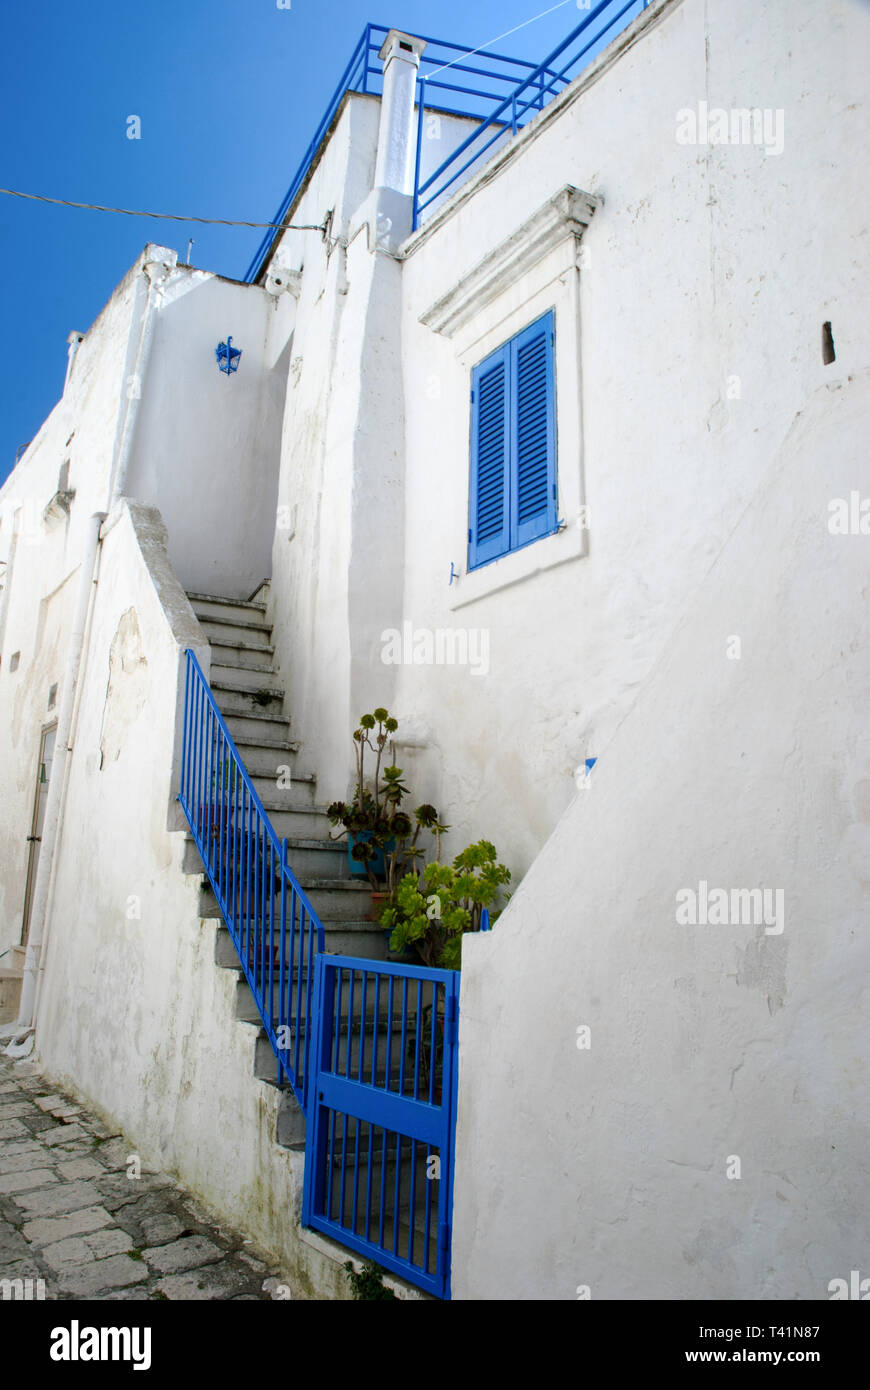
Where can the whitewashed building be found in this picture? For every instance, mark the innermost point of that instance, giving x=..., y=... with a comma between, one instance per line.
x=557, y=451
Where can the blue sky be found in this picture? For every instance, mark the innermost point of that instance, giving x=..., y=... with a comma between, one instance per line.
x=228, y=94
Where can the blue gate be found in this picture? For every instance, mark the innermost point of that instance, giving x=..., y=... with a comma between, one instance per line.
x=381, y=1116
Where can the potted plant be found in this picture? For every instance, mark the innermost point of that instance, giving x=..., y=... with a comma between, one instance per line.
x=431, y=911
x=382, y=838
x=435, y=906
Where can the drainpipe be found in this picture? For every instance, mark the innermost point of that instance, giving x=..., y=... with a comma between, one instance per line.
x=22, y=1031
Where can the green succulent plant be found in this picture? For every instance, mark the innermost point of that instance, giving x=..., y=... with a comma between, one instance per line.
x=435, y=906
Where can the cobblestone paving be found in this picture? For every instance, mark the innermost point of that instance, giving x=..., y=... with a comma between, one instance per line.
x=72, y=1216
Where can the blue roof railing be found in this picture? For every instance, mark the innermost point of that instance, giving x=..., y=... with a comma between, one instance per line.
x=528, y=97
x=463, y=82
x=465, y=88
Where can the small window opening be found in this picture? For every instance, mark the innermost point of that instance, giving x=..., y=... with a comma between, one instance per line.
x=828, y=353
x=14, y=660
x=52, y=696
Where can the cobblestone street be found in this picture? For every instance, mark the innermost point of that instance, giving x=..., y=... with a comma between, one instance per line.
x=74, y=1215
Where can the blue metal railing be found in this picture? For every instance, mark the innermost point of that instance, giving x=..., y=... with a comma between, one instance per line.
x=273, y=926
x=528, y=97
x=464, y=89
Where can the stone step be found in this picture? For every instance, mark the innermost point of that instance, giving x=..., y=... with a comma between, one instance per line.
x=253, y=634
x=312, y=858
x=246, y=727
x=360, y=938
x=266, y=1063
x=243, y=674
x=334, y=900
x=236, y=609
x=264, y=757
x=296, y=1006
x=303, y=825
x=248, y=1011
x=308, y=855
x=232, y=806
x=248, y=697
x=423, y=1191
x=235, y=651
x=290, y=1134
x=297, y=796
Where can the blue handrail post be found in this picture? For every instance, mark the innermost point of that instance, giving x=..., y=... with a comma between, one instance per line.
x=451, y=1087
x=185, y=725
x=366, y=51
x=421, y=102
x=281, y=1036
x=313, y=1181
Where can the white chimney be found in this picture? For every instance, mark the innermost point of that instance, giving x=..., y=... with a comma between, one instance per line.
x=400, y=55
x=74, y=341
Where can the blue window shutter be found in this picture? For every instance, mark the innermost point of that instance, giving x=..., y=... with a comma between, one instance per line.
x=533, y=428
x=489, y=520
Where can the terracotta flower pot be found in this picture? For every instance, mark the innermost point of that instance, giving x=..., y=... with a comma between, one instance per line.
x=379, y=902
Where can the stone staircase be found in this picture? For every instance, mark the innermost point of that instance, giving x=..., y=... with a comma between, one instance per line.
x=249, y=694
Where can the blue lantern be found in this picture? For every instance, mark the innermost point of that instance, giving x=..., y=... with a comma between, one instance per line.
x=228, y=356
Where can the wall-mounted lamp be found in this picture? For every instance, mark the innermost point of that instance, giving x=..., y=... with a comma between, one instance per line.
x=228, y=356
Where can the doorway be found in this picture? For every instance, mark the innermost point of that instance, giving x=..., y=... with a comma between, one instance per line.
x=46, y=757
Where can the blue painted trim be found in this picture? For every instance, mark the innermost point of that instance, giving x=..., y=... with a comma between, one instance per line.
x=514, y=533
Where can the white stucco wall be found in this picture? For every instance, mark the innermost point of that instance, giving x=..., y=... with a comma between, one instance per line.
x=606, y=1166
x=702, y=265
x=202, y=447
x=206, y=444
x=42, y=564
